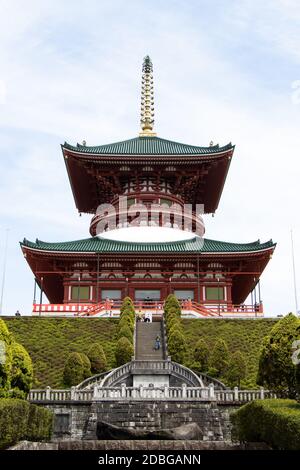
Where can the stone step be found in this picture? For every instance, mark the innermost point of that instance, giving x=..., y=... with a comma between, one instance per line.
x=146, y=334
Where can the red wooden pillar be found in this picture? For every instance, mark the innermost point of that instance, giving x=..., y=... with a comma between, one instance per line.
x=66, y=293
x=228, y=288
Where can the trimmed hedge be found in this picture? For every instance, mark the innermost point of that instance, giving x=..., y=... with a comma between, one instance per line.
x=245, y=336
x=177, y=346
x=276, y=369
x=49, y=341
x=21, y=420
x=274, y=421
x=86, y=366
x=97, y=358
x=22, y=370
x=124, y=351
x=126, y=332
x=74, y=369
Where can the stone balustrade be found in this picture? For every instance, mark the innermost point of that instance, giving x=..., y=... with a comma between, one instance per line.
x=122, y=393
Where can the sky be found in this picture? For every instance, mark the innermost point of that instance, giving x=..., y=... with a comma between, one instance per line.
x=226, y=71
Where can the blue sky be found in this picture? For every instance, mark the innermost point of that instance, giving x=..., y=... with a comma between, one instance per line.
x=223, y=71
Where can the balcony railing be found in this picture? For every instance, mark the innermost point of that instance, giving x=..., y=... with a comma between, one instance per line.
x=112, y=308
x=184, y=393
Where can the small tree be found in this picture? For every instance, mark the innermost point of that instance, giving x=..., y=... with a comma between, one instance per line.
x=219, y=359
x=5, y=356
x=297, y=380
x=237, y=369
x=22, y=370
x=127, y=305
x=126, y=320
x=177, y=346
x=276, y=368
x=173, y=323
x=172, y=303
x=74, y=369
x=124, y=351
x=201, y=354
x=97, y=358
x=126, y=332
x=86, y=366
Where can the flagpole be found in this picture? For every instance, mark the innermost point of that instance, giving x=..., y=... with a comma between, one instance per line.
x=4, y=270
x=294, y=273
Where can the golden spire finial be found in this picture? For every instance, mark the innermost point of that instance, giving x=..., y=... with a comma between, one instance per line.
x=147, y=100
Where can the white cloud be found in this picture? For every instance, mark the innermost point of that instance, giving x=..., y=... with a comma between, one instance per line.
x=3, y=92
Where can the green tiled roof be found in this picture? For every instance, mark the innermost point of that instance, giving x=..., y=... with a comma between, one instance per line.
x=148, y=146
x=102, y=245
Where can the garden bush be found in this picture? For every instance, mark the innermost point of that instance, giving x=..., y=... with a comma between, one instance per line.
x=124, y=351
x=21, y=420
x=40, y=423
x=44, y=337
x=97, y=358
x=237, y=369
x=219, y=358
x=126, y=320
x=177, y=346
x=5, y=356
x=22, y=370
x=74, y=369
x=126, y=332
x=86, y=366
x=172, y=304
x=201, y=355
x=276, y=422
x=127, y=307
x=276, y=368
x=240, y=335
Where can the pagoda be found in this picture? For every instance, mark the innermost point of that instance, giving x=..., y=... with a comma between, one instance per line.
x=146, y=182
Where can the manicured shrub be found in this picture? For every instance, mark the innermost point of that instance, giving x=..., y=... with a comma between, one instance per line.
x=124, y=351
x=240, y=335
x=173, y=324
x=40, y=423
x=86, y=365
x=128, y=312
x=22, y=370
x=201, y=354
x=195, y=366
x=126, y=332
x=74, y=369
x=276, y=422
x=177, y=346
x=219, y=358
x=13, y=420
x=5, y=356
x=237, y=369
x=44, y=337
x=97, y=358
x=126, y=320
x=297, y=380
x=175, y=328
x=127, y=306
x=21, y=420
x=172, y=301
x=276, y=368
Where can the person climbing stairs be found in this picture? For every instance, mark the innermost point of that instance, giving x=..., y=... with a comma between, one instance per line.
x=146, y=335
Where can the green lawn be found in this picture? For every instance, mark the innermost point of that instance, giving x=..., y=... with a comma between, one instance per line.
x=240, y=335
x=50, y=340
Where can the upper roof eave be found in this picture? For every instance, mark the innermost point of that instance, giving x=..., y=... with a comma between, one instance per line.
x=102, y=245
x=147, y=146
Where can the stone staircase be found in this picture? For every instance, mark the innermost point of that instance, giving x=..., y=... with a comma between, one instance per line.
x=145, y=341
